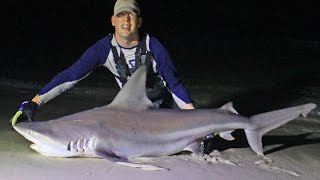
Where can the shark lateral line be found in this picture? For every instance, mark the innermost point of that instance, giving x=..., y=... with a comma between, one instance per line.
x=129, y=128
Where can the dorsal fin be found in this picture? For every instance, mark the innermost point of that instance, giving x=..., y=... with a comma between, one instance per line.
x=229, y=107
x=133, y=94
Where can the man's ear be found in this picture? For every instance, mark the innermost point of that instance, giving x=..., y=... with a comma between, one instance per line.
x=113, y=20
x=140, y=20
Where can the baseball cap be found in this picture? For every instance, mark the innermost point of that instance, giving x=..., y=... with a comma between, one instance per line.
x=126, y=5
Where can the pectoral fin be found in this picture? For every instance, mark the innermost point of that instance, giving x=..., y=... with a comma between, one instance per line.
x=125, y=162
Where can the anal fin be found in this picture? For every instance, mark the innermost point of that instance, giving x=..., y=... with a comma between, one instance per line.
x=227, y=135
x=196, y=147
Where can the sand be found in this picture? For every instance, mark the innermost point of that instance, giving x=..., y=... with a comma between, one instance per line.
x=294, y=149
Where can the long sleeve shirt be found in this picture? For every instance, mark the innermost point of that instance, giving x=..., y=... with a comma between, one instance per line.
x=100, y=54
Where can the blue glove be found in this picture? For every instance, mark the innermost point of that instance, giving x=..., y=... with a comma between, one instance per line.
x=26, y=112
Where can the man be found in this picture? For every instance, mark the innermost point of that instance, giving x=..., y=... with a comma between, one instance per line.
x=122, y=53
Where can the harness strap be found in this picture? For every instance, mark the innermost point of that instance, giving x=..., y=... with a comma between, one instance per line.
x=154, y=86
x=121, y=64
x=140, y=51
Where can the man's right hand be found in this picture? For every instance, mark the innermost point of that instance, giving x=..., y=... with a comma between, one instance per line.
x=25, y=112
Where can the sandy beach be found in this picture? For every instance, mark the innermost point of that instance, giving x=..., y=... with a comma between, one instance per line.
x=261, y=56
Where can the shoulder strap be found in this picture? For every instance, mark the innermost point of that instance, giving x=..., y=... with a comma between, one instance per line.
x=121, y=65
x=142, y=50
x=120, y=62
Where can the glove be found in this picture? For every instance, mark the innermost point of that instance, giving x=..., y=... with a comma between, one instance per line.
x=26, y=112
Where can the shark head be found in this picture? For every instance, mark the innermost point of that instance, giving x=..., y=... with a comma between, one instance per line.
x=42, y=143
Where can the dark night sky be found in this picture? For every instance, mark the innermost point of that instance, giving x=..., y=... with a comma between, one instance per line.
x=52, y=35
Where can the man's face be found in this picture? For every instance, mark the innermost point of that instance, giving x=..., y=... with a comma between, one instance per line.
x=126, y=23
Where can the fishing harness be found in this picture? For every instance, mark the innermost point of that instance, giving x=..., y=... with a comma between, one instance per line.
x=120, y=61
x=154, y=85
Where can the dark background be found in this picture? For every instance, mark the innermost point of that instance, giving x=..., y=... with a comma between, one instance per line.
x=206, y=38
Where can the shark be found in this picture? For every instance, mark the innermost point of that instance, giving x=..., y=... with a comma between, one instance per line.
x=130, y=127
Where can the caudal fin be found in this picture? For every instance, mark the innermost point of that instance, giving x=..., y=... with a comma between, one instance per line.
x=265, y=122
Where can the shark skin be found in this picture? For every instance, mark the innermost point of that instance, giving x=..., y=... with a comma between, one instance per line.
x=129, y=128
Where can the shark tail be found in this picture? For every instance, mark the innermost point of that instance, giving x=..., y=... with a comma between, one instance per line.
x=265, y=122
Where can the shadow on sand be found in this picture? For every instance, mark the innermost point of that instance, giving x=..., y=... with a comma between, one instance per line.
x=240, y=141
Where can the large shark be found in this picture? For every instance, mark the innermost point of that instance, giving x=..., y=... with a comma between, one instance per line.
x=129, y=127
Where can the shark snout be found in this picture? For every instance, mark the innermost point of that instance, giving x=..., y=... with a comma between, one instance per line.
x=27, y=133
